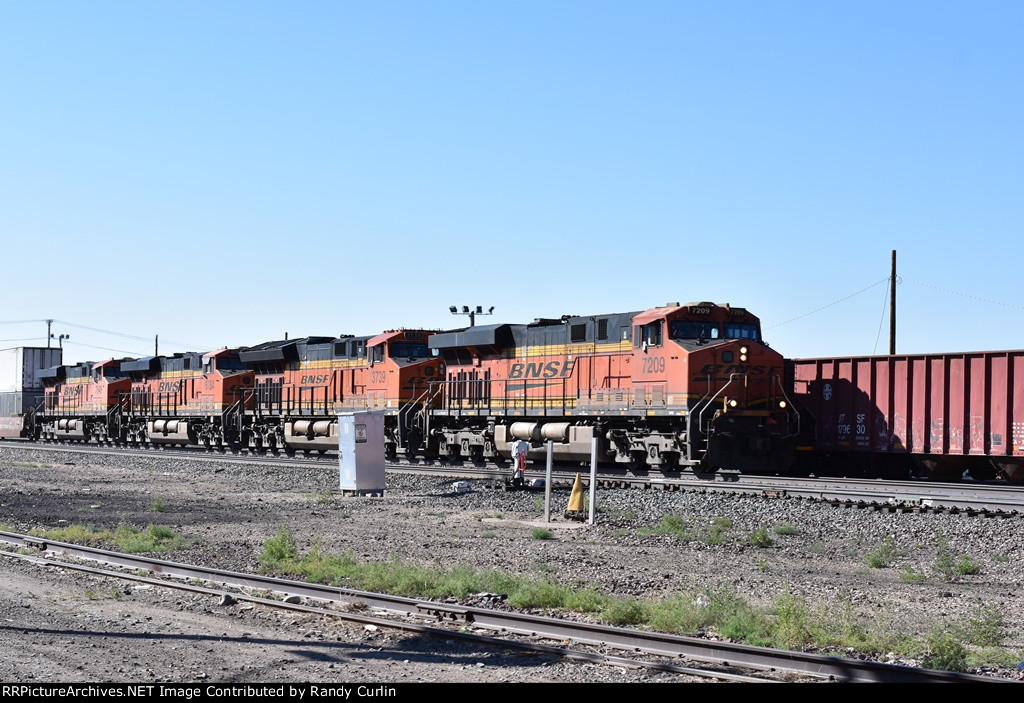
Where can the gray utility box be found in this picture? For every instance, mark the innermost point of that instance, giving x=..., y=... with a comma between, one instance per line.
x=361, y=453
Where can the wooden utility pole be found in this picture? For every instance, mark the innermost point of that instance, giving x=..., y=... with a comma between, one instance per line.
x=892, y=306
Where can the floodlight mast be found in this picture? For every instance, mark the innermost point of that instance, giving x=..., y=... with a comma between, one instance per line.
x=472, y=313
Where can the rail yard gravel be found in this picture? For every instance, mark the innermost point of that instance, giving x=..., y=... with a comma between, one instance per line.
x=58, y=626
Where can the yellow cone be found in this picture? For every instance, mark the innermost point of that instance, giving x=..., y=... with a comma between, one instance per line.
x=576, y=499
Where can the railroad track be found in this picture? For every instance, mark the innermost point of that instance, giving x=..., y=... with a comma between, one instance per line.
x=662, y=652
x=985, y=500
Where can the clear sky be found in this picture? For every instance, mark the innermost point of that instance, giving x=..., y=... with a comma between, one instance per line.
x=220, y=173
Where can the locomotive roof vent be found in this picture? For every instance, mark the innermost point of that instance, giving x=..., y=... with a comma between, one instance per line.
x=672, y=304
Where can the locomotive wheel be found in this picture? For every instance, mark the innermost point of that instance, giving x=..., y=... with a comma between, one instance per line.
x=637, y=460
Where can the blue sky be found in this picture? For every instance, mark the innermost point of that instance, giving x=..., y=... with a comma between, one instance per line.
x=222, y=173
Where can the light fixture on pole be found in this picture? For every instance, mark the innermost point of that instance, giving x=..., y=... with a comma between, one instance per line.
x=454, y=310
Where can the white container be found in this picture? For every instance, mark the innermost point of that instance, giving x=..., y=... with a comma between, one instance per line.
x=20, y=367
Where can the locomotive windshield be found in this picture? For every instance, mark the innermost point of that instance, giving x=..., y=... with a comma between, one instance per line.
x=742, y=330
x=694, y=329
x=228, y=363
x=408, y=350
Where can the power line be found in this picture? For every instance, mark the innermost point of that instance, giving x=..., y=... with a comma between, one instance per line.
x=881, y=322
x=798, y=317
x=963, y=295
x=93, y=346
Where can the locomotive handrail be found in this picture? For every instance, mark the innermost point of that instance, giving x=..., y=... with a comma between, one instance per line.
x=790, y=408
x=458, y=399
x=700, y=415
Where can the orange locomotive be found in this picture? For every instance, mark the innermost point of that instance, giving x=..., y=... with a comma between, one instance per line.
x=80, y=402
x=187, y=398
x=680, y=385
x=302, y=385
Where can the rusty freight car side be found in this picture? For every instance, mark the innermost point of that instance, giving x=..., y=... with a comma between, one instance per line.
x=938, y=415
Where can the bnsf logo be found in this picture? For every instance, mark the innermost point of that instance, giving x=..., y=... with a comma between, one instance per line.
x=715, y=369
x=169, y=387
x=552, y=369
x=315, y=379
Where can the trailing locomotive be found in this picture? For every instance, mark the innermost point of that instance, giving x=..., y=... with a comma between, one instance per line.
x=301, y=386
x=278, y=395
x=676, y=386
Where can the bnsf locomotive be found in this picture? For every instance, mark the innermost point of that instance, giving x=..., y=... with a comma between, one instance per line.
x=680, y=385
x=676, y=386
x=279, y=395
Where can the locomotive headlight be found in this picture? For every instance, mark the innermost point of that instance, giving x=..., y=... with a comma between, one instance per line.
x=733, y=403
x=743, y=353
x=743, y=350
x=782, y=404
x=743, y=357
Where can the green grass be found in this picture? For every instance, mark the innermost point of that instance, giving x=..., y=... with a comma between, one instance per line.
x=949, y=565
x=673, y=525
x=883, y=556
x=541, y=533
x=909, y=575
x=489, y=534
x=718, y=530
x=784, y=528
x=126, y=538
x=158, y=504
x=790, y=622
x=760, y=538
x=279, y=548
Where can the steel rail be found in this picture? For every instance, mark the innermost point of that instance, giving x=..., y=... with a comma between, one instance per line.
x=896, y=496
x=441, y=632
x=651, y=643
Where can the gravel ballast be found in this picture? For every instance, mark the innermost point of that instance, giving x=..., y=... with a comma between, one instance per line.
x=65, y=627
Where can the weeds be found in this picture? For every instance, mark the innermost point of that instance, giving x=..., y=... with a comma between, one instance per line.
x=784, y=528
x=279, y=548
x=541, y=533
x=759, y=538
x=949, y=565
x=790, y=622
x=155, y=538
x=883, y=556
x=719, y=527
x=158, y=504
x=909, y=575
x=673, y=525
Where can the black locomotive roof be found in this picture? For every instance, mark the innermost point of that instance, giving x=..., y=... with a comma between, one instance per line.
x=54, y=372
x=146, y=363
x=482, y=336
x=282, y=350
x=542, y=331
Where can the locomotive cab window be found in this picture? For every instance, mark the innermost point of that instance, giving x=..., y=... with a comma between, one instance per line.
x=694, y=329
x=648, y=335
x=742, y=330
x=378, y=353
x=407, y=350
x=228, y=363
